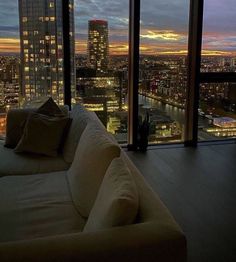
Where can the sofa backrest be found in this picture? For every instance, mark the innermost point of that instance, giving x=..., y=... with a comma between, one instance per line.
x=80, y=118
x=150, y=206
x=94, y=153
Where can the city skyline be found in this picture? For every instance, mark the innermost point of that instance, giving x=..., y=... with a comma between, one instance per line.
x=164, y=26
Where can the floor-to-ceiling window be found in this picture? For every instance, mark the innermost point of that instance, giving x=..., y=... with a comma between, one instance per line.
x=101, y=57
x=163, y=68
x=217, y=98
x=9, y=60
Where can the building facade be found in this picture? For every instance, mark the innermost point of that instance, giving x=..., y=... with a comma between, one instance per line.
x=42, y=58
x=98, y=45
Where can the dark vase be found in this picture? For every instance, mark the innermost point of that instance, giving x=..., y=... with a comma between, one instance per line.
x=143, y=132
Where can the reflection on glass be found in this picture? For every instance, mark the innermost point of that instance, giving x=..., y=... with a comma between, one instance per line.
x=217, y=111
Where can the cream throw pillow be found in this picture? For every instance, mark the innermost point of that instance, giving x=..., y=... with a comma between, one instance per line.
x=42, y=135
x=93, y=155
x=117, y=200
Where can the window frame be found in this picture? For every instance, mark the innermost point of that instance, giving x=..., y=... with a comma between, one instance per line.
x=194, y=76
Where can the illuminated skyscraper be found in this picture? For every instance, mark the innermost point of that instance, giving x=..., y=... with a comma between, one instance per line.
x=98, y=45
x=41, y=34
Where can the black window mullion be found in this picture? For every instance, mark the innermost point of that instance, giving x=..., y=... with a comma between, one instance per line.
x=66, y=52
x=134, y=31
x=216, y=77
x=194, y=62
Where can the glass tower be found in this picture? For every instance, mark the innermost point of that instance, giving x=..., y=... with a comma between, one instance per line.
x=98, y=46
x=41, y=35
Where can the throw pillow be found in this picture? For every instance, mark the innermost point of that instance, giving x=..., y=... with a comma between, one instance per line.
x=94, y=154
x=42, y=135
x=16, y=119
x=117, y=200
x=50, y=108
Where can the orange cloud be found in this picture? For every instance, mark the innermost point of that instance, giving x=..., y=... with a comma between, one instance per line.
x=8, y=45
x=12, y=45
x=161, y=35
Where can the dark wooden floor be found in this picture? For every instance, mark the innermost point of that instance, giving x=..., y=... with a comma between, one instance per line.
x=199, y=188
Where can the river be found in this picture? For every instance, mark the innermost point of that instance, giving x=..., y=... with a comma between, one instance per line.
x=175, y=113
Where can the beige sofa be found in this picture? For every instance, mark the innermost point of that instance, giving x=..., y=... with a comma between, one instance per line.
x=40, y=219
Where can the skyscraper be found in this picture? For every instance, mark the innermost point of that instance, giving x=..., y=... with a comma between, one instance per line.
x=41, y=34
x=98, y=45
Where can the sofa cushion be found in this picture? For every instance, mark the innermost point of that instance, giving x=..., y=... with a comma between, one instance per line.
x=94, y=154
x=26, y=164
x=36, y=206
x=117, y=200
x=42, y=135
x=80, y=118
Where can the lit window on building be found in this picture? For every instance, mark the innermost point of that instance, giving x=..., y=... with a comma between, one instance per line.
x=24, y=19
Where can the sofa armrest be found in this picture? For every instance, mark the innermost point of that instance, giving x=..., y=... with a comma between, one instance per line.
x=149, y=241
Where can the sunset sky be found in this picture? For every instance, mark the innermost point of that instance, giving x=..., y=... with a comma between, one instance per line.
x=164, y=25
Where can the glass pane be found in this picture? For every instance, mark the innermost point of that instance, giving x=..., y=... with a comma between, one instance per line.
x=163, y=68
x=217, y=111
x=102, y=62
x=31, y=48
x=9, y=60
x=42, y=56
x=219, y=41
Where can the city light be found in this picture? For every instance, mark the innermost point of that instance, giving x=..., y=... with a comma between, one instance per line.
x=99, y=62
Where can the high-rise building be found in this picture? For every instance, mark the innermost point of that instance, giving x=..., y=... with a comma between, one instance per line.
x=41, y=34
x=9, y=83
x=98, y=45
